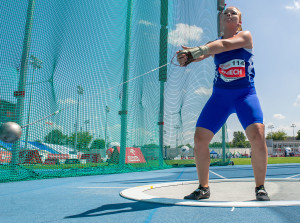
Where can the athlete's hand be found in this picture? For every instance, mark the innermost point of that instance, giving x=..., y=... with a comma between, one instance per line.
x=190, y=54
x=182, y=58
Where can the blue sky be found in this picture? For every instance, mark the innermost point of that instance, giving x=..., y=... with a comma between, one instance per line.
x=275, y=29
x=275, y=34
x=82, y=43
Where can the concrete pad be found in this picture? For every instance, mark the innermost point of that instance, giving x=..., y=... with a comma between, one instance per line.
x=224, y=193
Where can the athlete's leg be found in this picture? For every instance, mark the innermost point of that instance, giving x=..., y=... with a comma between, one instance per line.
x=202, y=156
x=251, y=117
x=213, y=116
x=259, y=155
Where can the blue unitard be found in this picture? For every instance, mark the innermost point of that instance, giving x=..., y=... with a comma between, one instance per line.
x=233, y=92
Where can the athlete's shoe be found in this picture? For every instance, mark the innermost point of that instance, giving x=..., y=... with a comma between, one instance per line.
x=261, y=193
x=198, y=194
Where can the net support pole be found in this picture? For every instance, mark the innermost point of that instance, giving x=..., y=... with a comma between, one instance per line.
x=20, y=94
x=220, y=7
x=224, y=142
x=161, y=124
x=163, y=56
x=124, y=112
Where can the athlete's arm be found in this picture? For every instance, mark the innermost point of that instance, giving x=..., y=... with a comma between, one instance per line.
x=202, y=57
x=182, y=59
x=189, y=54
x=206, y=55
x=242, y=40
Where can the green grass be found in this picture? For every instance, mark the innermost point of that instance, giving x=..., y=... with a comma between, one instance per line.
x=154, y=163
x=190, y=162
x=271, y=160
x=239, y=161
x=179, y=162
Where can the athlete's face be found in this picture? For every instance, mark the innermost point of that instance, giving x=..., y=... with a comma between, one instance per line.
x=231, y=17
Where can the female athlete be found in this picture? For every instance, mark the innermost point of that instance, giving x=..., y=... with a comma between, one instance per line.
x=233, y=92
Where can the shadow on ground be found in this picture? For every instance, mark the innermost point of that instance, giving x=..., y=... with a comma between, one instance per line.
x=110, y=209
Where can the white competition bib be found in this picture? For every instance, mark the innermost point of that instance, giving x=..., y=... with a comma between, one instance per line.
x=232, y=70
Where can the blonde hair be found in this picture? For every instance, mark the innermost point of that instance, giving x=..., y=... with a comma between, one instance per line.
x=240, y=17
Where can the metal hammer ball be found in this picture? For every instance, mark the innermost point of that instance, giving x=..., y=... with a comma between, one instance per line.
x=10, y=132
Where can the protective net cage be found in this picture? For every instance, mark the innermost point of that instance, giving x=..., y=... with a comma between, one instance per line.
x=92, y=86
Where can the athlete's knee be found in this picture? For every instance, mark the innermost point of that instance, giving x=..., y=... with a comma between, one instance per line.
x=202, y=136
x=256, y=133
x=198, y=140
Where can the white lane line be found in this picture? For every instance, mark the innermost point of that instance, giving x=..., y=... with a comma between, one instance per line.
x=101, y=187
x=293, y=176
x=217, y=174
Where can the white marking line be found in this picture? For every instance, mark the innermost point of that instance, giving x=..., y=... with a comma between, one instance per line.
x=137, y=193
x=101, y=187
x=293, y=176
x=217, y=174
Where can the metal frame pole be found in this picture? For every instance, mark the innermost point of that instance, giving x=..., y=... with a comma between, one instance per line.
x=22, y=80
x=163, y=56
x=79, y=92
x=220, y=7
x=37, y=64
x=124, y=112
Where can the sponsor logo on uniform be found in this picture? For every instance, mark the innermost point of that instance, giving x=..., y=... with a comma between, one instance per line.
x=232, y=70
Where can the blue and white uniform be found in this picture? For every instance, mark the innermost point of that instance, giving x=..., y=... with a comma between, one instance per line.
x=234, y=69
x=233, y=91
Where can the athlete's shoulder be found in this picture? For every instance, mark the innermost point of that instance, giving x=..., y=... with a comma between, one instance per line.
x=247, y=38
x=245, y=34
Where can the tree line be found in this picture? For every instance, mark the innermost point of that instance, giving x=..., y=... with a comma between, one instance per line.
x=84, y=139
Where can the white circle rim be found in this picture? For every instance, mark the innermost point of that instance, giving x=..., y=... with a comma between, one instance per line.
x=138, y=194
